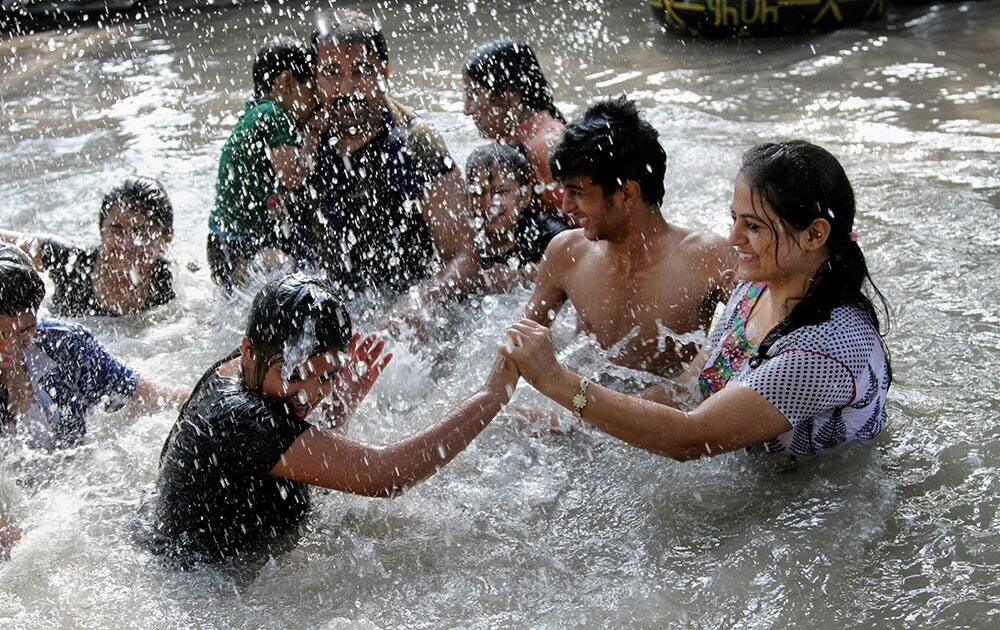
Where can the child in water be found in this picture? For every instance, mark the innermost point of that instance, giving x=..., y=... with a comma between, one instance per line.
x=236, y=468
x=128, y=272
x=267, y=155
x=514, y=228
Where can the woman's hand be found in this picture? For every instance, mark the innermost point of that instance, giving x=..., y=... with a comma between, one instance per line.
x=360, y=371
x=502, y=379
x=529, y=345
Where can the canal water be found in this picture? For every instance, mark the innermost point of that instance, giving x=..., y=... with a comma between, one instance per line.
x=550, y=531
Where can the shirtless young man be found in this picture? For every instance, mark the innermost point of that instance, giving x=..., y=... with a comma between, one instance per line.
x=636, y=281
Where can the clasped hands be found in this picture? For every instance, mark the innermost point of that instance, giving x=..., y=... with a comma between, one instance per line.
x=526, y=351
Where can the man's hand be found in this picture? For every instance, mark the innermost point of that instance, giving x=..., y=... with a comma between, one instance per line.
x=529, y=345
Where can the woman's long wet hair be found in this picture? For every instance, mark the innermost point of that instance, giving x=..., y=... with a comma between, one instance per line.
x=802, y=182
x=293, y=310
x=509, y=65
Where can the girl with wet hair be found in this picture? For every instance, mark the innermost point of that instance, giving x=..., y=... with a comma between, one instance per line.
x=236, y=468
x=128, y=272
x=796, y=364
x=508, y=97
x=514, y=228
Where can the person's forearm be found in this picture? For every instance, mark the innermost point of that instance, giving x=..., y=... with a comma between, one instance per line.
x=401, y=465
x=639, y=422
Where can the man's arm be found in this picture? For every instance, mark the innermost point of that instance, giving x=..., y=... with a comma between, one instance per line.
x=549, y=295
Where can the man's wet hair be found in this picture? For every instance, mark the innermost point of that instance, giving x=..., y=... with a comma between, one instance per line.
x=506, y=158
x=349, y=26
x=294, y=309
x=21, y=288
x=510, y=65
x=142, y=195
x=612, y=144
x=277, y=56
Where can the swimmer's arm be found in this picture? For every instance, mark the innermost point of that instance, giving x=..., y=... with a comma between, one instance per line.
x=153, y=397
x=445, y=209
x=28, y=243
x=732, y=419
x=334, y=461
x=548, y=296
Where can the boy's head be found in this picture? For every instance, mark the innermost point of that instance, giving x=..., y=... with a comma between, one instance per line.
x=21, y=293
x=297, y=327
x=136, y=219
x=500, y=181
x=612, y=144
x=284, y=71
x=352, y=67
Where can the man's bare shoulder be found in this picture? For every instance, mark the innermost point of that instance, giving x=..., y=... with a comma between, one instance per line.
x=705, y=248
x=566, y=247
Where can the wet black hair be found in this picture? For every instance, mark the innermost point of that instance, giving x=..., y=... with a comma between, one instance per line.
x=277, y=56
x=802, y=182
x=506, y=158
x=279, y=314
x=510, y=65
x=612, y=144
x=349, y=26
x=142, y=195
x=21, y=288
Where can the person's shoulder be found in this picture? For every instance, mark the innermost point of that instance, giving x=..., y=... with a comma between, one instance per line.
x=567, y=246
x=419, y=136
x=60, y=337
x=705, y=251
x=848, y=336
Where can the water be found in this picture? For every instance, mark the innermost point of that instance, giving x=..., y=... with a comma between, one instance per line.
x=559, y=530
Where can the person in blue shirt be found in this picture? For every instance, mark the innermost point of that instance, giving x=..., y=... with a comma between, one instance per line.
x=53, y=373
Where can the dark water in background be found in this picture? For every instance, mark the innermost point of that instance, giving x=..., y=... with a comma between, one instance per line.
x=554, y=531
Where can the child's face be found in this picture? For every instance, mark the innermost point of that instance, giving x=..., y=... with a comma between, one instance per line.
x=301, y=99
x=498, y=199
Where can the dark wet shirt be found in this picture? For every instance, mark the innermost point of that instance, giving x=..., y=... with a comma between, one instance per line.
x=72, y=272
x=532, y=234
x=369, y=230
x=214, y=498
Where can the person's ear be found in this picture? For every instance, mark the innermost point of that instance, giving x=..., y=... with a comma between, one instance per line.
x=631, y=193
x=815, y=235
x=246, y=349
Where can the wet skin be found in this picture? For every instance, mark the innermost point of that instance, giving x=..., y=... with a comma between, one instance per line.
x=630, y=274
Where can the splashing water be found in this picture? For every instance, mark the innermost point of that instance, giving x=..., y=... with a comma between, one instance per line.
x=551, y=531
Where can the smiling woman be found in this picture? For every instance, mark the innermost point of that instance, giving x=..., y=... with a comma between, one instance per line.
x=796, y=364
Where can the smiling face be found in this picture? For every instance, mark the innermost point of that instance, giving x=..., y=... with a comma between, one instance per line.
x=16, y=333
x=351, y=84
x=499, y=200
x=131, y=236
x=306, y=386
x=769, y=251
x=601, y=216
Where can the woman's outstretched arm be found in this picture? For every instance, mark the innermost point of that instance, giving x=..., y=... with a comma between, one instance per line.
x=330, y=460
x=731, y=419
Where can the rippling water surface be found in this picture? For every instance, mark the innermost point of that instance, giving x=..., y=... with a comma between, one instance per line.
x=553, y=531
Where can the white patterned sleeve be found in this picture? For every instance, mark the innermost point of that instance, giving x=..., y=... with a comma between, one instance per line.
x=802, y=383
